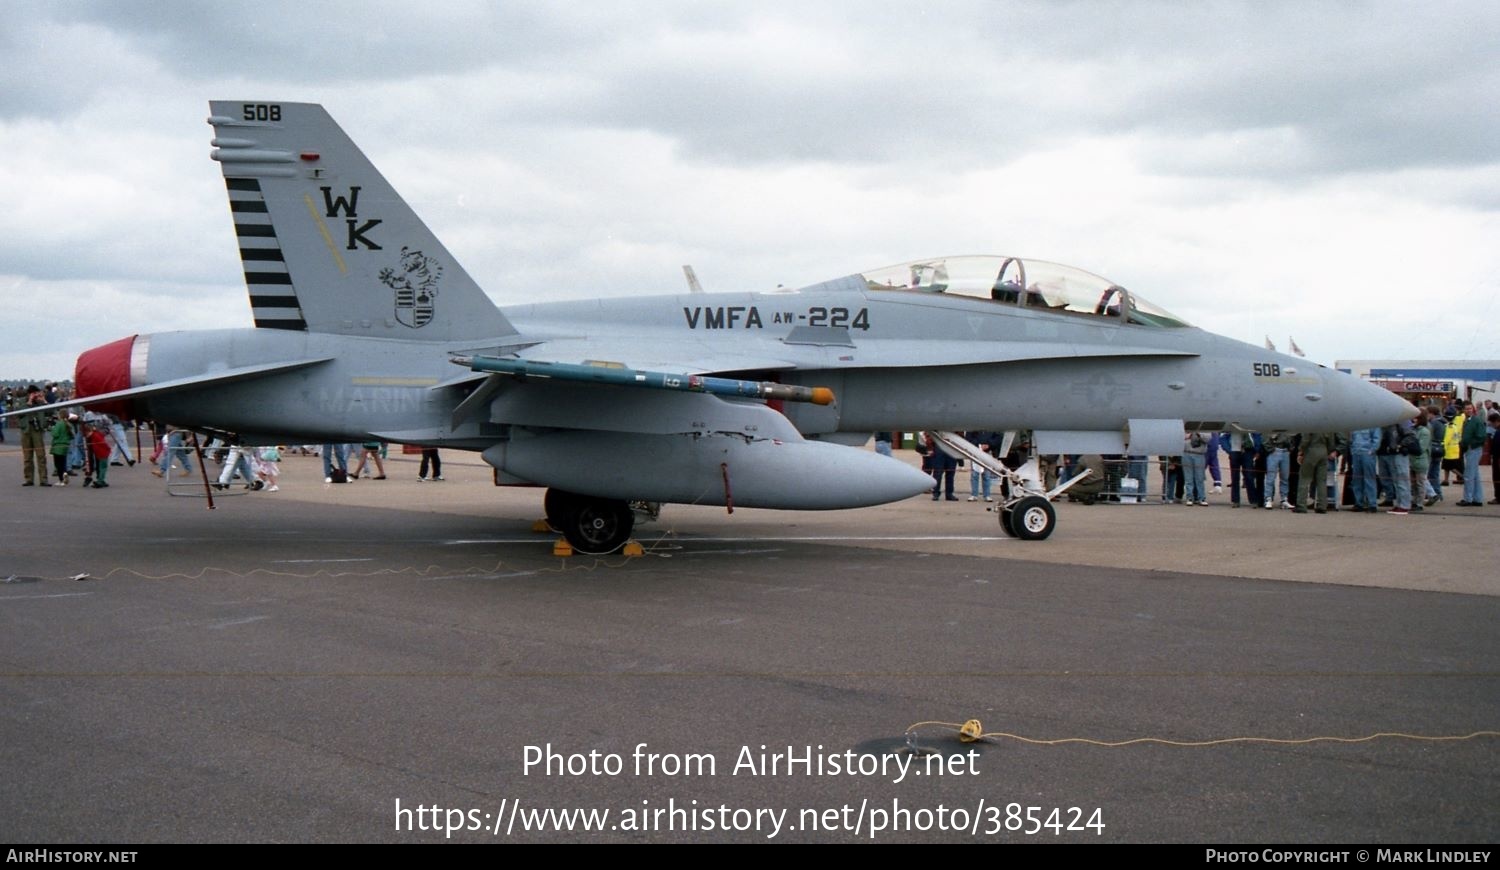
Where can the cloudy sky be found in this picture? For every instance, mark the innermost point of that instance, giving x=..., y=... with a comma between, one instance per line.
x=1328, y=171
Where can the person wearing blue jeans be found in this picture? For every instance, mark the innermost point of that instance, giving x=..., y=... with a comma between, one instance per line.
x=1278, y=470
x=176, y=451
x=1362, y=446
x=1471, y=443
x=335, y=454
x=978, y=476
x=1439, y=428
x=1194, y=460
x=77, y=451
x=1395, y=467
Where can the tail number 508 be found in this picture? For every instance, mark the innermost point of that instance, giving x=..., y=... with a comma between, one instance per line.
x=262, y=112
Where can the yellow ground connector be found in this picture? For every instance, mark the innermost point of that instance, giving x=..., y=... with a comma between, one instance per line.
x=633, y=548
x=971, y=731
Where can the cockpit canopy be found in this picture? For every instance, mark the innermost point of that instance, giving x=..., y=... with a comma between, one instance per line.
x=1034, y=284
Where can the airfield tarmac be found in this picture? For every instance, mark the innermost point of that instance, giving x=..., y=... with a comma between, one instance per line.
x=294, y=666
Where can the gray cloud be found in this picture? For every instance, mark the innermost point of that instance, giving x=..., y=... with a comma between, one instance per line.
x=1359, y=85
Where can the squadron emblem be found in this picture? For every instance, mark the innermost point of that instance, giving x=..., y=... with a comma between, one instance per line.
x=415, y=283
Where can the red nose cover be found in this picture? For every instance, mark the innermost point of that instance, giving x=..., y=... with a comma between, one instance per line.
x=105, y=369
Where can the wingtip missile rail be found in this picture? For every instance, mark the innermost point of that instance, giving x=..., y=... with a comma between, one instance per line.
x=616, y=374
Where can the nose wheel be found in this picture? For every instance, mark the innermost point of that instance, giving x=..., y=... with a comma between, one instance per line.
x=1030, y=519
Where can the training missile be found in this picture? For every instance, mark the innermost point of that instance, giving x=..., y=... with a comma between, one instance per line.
x=614, y=373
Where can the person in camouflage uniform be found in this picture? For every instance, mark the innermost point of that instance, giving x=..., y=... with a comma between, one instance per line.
x=33, y=441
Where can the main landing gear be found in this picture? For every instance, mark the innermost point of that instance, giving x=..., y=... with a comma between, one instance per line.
x=593, y=526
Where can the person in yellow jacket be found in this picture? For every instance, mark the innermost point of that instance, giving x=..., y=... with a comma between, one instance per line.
x=1452, y=463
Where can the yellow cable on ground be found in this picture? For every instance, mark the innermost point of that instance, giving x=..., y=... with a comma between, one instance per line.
x=971, y=731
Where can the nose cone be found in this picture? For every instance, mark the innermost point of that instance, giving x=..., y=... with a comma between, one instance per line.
x=1400, y=408
x=1356, y=404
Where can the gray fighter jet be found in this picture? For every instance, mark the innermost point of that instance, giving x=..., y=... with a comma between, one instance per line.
x=367, y=328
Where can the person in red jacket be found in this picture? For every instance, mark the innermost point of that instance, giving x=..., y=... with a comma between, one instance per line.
x=99, y=448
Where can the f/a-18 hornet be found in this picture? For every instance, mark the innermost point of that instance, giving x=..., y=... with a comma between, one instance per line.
x=758, y=399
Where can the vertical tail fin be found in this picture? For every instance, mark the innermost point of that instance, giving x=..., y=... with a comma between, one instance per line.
x=327, y=244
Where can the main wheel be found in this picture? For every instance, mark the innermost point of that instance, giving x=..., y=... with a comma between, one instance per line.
x=556, y=505
x=598, y=526
x=1007, y=520
x=1033, y=518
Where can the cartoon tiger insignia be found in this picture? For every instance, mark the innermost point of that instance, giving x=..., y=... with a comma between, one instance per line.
x=415, y=284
